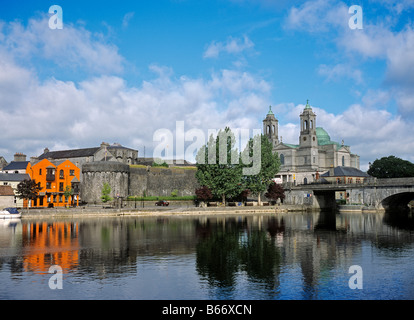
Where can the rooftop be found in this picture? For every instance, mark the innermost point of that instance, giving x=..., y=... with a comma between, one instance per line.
x=78, y=153
x=14, y=177
x=16, y=165
x=346, y=172
x=64, y=154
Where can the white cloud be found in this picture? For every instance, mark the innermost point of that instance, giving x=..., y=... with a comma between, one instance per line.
x=339, y=71
x=396, y=6
x=71, y=47
x=317, y=16
x=396, y=48
x=64, y=114
x=231, y=46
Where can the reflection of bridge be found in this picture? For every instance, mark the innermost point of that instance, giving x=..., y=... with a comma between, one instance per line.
x=376, y=193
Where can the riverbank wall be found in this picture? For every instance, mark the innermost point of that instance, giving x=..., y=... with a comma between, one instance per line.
x=100, y=211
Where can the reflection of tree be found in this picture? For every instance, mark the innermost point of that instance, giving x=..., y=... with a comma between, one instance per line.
x=260, y=257
x=230, y=248
x=218, y=256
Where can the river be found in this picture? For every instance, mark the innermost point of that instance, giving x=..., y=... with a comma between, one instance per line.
x=285, y=256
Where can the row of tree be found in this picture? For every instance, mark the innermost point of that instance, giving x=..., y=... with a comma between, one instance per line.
x=224, y=173
x=391, y=167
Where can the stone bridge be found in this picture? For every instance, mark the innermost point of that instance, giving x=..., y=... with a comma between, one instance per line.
x=378, y=194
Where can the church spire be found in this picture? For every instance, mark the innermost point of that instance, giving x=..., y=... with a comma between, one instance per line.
x=307, y=105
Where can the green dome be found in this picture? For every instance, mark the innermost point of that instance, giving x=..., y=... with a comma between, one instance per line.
x=323, y=136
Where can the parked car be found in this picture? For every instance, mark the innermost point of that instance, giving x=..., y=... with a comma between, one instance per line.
x=162, y=203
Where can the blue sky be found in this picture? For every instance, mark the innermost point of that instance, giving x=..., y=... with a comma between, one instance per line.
x=120, y=70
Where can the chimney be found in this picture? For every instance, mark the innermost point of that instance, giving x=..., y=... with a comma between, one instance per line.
x=331, y=171
x=34, y=160
x=19, y=156
x=46, y=150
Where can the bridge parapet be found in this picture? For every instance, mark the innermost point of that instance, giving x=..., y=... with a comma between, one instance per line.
x=390, y=182
x=372, y=182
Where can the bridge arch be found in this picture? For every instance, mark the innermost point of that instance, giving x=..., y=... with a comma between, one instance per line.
x=398, y=200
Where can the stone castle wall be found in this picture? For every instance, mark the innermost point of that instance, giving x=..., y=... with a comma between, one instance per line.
x=127, y=181
x=158, y=181
x=95, y=174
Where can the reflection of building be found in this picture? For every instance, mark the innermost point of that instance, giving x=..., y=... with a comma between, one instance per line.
x=55, y=179
x=48, y=244
x=314, y=154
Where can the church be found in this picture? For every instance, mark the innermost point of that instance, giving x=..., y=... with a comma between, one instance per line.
x=314, y=155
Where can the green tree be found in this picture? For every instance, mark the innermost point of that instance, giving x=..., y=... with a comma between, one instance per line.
x=218, y=165
x=28, y=189
x=106, y=190
x=68, y=192
x=264, y=162
x=164, y=164
x=391, y=167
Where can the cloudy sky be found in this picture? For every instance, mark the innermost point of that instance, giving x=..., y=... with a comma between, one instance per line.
x=118, y=71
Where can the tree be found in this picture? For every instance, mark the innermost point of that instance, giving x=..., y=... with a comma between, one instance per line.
x=164, y=164
x=242, y=197
x=218, y=165
x=68, y=192
x=203, y=193
x=28, y=189
x=275, y=191
x=106, y=190
x=391, y=167
x=259, y=149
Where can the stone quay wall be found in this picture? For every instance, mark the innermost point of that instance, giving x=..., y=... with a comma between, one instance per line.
x=126, y=180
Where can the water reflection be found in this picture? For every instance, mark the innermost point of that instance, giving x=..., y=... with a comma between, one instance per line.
x=229, y=247
x=49, y=243
x=273, y=256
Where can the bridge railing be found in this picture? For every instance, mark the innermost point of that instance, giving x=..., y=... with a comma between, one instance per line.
x=367, y=183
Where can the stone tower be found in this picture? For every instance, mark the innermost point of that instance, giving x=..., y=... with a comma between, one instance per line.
x=307, y=136
x=271, y=127
x=95, y=174
x=308, y=154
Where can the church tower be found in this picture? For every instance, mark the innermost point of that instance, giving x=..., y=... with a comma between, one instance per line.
x=308, y=152
x=271, y=127
x=307, y=138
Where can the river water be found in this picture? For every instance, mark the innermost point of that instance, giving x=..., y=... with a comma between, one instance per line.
x=297, y=256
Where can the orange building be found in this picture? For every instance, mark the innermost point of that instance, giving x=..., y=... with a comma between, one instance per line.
x=55, y=178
